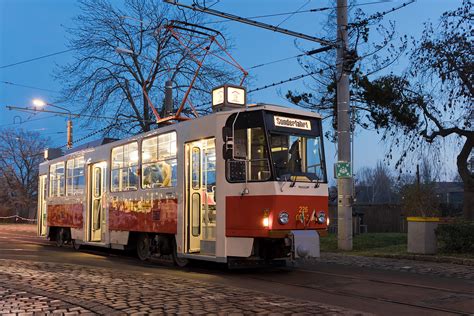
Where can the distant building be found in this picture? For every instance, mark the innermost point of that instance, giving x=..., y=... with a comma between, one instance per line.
x=449, y=192
x=451, y=196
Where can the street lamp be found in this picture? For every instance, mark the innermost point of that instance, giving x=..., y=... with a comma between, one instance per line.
x=38, y=103
x=125, y=51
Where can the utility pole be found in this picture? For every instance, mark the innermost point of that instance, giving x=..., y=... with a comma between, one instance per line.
x=344, y=182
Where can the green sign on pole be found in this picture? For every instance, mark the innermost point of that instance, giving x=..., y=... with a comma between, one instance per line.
x=343, y=169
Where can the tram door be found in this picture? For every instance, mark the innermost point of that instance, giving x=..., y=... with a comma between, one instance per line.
x=201, y=196
x=96, y=213
x=42, y=206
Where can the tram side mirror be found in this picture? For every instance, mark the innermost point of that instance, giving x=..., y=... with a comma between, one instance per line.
x=228, y=148
x=226, y=152
x=228, y=142
x=226, y=133
x=234, y=145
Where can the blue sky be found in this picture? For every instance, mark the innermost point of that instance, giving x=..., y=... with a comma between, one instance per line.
x=32, y=28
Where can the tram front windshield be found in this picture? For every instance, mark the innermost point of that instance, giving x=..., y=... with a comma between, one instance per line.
x=297, y=157
x=266, y=147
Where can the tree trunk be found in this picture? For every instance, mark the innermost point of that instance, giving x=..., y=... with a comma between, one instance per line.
x=467, y=178
x=468, y=207
x=146, y=118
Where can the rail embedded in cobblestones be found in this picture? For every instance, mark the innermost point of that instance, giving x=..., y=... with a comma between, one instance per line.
x=78, y=289
x=441, y=269
x=430, y=258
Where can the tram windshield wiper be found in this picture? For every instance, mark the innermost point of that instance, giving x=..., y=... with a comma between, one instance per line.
x=293, y=177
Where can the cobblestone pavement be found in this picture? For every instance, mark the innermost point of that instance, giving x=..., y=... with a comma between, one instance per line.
x=14, y=302
x=421, y=267
x=73, y=289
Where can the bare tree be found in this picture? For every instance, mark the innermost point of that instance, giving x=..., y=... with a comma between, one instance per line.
x=429, y=170
x=375, y=185
x=443, y=69
x=440, y=80
x=21, y=153
x=106, y=82
x=365, y=58
x=431, y=101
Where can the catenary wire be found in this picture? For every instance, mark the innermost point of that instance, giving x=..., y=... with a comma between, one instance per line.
x=381, y=14
x=295, y=12
x=298, y=12
x=37, y=58
x=221, y=21
x=278, y=83
x=28, y=121
x=26, y=86
x=77, y=115
x=286, y=80
x=307, y=53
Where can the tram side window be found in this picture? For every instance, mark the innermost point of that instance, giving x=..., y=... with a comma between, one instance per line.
x=75, y=176
x=159, y=161
x=124, y=171
x=56, y=179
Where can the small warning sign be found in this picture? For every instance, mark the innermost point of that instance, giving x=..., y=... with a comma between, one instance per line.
x=343, y=169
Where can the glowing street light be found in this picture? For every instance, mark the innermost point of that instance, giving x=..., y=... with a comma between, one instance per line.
x=40, y=103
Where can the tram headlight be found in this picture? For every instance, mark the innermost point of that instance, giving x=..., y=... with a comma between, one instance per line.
x=266, y=222
x=283, y=218
x=266, y=219
x=321, y=218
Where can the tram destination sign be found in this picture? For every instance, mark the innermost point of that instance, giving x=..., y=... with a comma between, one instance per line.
x=289, y=122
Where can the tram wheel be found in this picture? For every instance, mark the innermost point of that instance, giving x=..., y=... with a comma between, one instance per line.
x=180, y=262
x=60, y=237
x=143, y=247
x=75, y=245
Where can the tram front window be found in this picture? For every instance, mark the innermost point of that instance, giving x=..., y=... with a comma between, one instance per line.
x=250, y=161
x=297, y=157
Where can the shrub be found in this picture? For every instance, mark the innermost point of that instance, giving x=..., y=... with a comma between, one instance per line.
x=420, y=200
x=456, y=237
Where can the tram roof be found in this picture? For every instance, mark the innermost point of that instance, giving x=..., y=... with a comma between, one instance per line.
x=250, y=107
x=278, y=108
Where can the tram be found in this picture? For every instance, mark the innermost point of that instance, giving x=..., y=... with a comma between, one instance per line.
x=244, y=185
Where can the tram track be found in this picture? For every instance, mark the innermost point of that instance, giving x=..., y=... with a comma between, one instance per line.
x=273, y=277
x=343, y=293
x=384, y=282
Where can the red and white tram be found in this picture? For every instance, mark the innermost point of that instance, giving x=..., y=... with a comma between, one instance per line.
x=239, y=185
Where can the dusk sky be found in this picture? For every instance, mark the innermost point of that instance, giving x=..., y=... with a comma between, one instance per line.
x=33, y=28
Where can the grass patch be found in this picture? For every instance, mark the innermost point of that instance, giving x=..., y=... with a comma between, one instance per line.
x=370, y=243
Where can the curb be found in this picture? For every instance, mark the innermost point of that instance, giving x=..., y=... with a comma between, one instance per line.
x=452, y=260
